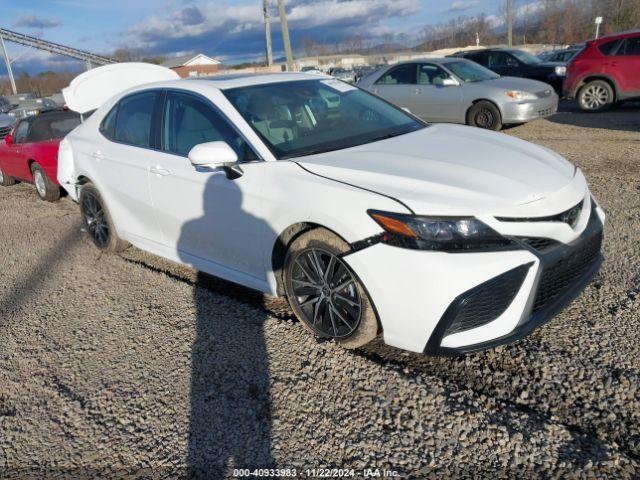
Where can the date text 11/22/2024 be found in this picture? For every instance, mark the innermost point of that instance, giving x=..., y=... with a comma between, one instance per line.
x=316, y=473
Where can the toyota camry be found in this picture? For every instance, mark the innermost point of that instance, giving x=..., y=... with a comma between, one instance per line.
x=443, y=239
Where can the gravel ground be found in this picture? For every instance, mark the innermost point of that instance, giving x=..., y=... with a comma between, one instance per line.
x=131, y=365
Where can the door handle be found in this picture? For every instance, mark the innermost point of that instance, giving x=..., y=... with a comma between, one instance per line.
x=417, y=91
x=98, y=155
x=158, y=170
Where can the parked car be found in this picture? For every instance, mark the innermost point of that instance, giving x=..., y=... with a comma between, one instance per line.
x=446, y=238
x=511, y=62
x=27, y=108
x=562, y=56
x=344, y=75
x=605, y=72
x=58, y=99
x=6, y=125
x=30, y=152
x=456, y=90
x=5, y=105
x=313, y=70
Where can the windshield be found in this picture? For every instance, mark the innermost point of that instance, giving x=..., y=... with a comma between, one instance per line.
x=525, y=57
x=314, y=116
x=470, y=72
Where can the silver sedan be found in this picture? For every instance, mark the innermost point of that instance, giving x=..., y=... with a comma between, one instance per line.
x=456, y=90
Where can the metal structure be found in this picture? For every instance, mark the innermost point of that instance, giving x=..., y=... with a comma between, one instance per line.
x=267, y=31
x=89, y=58
x=510, y=23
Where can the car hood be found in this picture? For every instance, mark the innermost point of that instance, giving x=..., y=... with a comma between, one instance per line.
x=6, y=120
x=518, y=83
x=452, y=170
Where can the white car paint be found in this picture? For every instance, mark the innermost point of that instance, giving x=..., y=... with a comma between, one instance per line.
x=156, y=198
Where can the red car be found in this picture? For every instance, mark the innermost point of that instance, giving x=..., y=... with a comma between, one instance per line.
x=607, y=70
x=30, y=152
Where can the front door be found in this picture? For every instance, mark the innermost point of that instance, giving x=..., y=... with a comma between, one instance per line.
x=397, y=85
x=435, y=101
x=208, y=220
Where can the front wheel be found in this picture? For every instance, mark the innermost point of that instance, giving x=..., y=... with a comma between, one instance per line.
x=97, y=220
x=484, y=115
x=596, y=96
x=46, y=189
x=325, y=294
x=6, y=180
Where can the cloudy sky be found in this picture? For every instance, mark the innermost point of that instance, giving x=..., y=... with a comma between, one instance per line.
x=228, y=29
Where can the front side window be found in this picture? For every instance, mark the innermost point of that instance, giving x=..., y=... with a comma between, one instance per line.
x=429, y=74
x=500, y=60
x=21, y=132
x=401, y=75
x=189, y=121
x=470, y=72
x=315, y=116
x=133, y=120
x=631, y=46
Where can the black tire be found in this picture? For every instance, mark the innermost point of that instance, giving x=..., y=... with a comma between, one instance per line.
x=484, y=114
x=45, y=188
x=97, y=220
x=6, y=180
x=596, y=96
x=338, y=292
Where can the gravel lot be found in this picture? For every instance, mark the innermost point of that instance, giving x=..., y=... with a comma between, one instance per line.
x=114, y=365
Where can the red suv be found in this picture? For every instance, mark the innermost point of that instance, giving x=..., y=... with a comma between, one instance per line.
x=606, y=71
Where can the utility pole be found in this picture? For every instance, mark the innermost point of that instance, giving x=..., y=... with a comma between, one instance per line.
x=7, y=60
x=510, y=23
x=267, y=31
x=285, y=35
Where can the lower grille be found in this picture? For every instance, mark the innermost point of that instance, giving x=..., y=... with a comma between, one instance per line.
x=558, y=277
x=540, y=244
x=546, y=112
x=487, y=301
x=4, y=131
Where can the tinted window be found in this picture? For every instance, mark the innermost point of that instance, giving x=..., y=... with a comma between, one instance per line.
x=470, y=71
x=631, y=46
x=402, y=75
x=189, y=121
x=133, y=122
x=53, y=126
x=609, y=47
x=21, y=132
x=500, y=59
x=108, y=125
x=429, y=74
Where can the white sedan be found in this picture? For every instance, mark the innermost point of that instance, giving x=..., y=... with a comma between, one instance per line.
x=443, y=239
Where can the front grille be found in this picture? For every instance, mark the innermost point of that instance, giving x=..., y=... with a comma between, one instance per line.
x=570, y=217
x=540, y=244
x=487, y=301
x=558, y=277
x=4, y=131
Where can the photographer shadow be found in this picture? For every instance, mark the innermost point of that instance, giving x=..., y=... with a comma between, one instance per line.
x=230, y=418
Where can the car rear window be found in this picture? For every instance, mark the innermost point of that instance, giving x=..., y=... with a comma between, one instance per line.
x=609, y=48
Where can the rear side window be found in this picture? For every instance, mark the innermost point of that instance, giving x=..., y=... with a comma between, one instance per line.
x=631, y=46
x=21, y=132
x=609, y=48
x=133, y=120
x=189, y=121
x=401, y=75
x=108, y=125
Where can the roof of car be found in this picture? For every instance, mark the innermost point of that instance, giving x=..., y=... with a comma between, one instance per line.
x=224, y=82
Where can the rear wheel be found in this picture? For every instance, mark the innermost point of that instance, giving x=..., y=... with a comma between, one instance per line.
x=97, y=220
x=6, y=180
x=484, y=115
x=325, y=294
x=596, y=96
x=46, y=189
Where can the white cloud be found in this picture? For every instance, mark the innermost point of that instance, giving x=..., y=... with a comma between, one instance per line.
x=462, y=5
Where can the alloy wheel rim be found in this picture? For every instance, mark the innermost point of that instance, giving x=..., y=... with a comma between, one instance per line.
x=595, y=97
x=40, y=186
x=326, y=292
x=484, y=118
x=95, y=219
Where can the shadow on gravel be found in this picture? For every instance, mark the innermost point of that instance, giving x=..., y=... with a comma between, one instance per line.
x=624, y=117
x=230, y=418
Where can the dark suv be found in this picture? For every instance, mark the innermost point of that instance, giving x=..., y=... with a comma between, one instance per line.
x=606, y=71
x=510, y=62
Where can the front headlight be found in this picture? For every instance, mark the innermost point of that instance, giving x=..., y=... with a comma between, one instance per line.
x=561, y=71
x=520, y=95
x=30, y=113
x=438, y=233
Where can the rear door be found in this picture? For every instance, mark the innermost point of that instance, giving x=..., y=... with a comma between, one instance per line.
x=435, y=101
x=398, y=84
x=123, y=158
x=625, y=66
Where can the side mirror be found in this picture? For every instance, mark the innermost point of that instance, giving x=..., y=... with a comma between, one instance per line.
x=212, y=155
x=450, y=82
x=8, y=139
